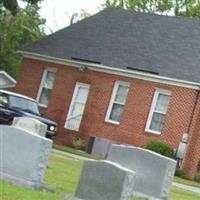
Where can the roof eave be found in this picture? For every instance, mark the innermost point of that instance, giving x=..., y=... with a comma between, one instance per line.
x=114, y=71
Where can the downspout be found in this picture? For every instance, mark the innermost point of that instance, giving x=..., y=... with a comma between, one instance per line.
x=192, y=114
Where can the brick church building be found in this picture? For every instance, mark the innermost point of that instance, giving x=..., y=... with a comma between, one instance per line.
x=120, y=77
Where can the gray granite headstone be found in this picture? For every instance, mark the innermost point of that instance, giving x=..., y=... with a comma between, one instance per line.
x=154, y=172
x=104, y=180
x=23, y=156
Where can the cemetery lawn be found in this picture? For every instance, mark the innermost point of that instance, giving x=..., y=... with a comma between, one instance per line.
x=187, y=182
x=63, y=173
x=76, y=152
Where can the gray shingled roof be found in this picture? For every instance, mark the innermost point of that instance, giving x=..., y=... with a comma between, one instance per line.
x=169, y=46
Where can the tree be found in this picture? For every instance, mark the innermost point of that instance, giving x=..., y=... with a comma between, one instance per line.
x=12, y=5
x=190, y=8
x=75, y=17
x=15, y=31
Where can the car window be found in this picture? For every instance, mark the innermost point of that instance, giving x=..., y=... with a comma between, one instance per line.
x=23, y=104
x=3, y=99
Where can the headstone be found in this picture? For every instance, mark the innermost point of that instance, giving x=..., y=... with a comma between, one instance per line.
x=102, y=146
x=154, y=172
x=23, y=156
x=104, y=180
x=30, y=124
x=6, y=80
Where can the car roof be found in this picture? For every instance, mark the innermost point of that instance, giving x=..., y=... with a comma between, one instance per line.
x=17, y=95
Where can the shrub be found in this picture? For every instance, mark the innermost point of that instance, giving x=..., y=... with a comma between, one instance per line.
x=197, y=177
x=198, y=166
x=161, y=148
x=78, y=143
x=181, y=173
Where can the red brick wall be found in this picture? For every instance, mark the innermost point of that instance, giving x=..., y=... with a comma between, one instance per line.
x=192, y=155
x=132, y=125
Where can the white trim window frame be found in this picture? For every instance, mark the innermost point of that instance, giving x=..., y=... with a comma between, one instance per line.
x=77, y=106
x=44, y=85
x=158, y=111
x=115, y=101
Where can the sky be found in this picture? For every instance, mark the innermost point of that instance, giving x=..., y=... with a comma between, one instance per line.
x=57, y=12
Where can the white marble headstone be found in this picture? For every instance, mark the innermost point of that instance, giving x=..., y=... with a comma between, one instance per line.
x=30, y=124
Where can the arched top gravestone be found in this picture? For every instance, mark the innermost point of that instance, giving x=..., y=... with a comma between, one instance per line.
x=104, y=180
x=154, y=172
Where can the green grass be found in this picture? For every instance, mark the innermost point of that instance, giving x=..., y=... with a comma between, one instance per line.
x=64, y=173
x=84, y=154
x=76, y=152
x=61, y=172
x=179, y=194
x=186, y=182
x=11, y=192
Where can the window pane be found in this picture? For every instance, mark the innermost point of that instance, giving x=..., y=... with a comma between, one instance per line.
x=49, y=79
x=44, y=96
x=121, y=94
x=81, y=95
x=77, y=106
x=77, y=109
x=116, y=112
x=162, y=103
x=74, y=123
x=157, y=122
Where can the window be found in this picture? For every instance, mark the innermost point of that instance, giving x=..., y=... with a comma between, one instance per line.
x=46, y=86
x=117, y=102
x=158, y=111
x=77, y=106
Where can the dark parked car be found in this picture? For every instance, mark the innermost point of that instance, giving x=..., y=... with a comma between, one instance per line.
x=16, y=105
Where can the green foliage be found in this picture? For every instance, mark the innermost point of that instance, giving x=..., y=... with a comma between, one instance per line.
x=15, y=31
x=190, y=8
x=198, y=166
x=75, y=17
x=161, y=148
x=78, y=143
x=12, y=5
x=197, y=177
x=181, y=173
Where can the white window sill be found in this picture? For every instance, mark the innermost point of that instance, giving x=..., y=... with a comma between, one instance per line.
x=42, y=105
x=112, y=122
x=153, y=132
x=71, y=129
